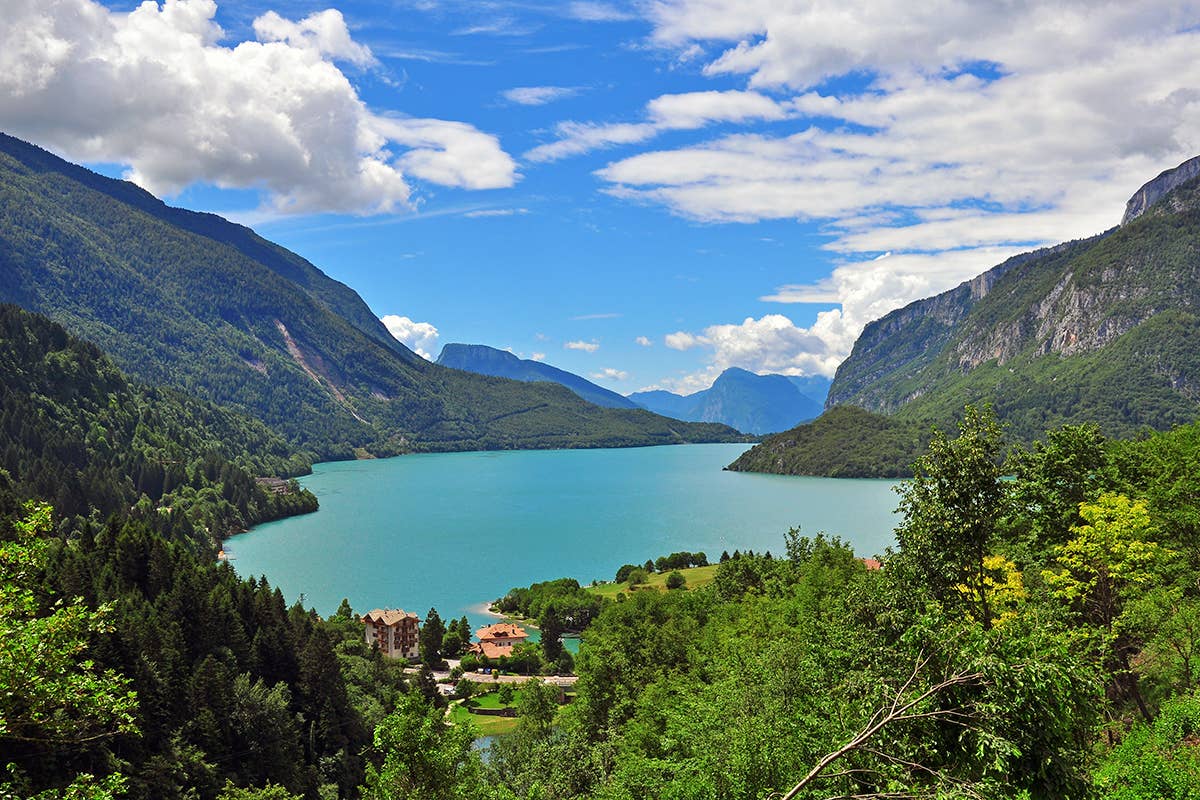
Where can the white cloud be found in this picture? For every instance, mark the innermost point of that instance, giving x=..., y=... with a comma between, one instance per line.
x=772, y=344
x=685, y=111
x=610, y=374
x=950, y=135
x=538, y=357
x=682, y=340
x=323, y=31
x=538, y=95
x=420, y=337
x=587, y=347
x=158, y=90
x=644, y=341
x=589, y=11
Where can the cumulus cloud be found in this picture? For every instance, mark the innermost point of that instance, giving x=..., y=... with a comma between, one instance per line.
x=420, y=337
x=610, y=374
x=770, y=344
x=644, y=341
x=587, y=347
x=950, y=135
x=323, y=31
x=537, y=95
x=686, y=111
x=681, y=340
x=158, y=90
x=538, y=357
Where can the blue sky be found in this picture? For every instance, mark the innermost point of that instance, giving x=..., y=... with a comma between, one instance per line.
x=731, y=182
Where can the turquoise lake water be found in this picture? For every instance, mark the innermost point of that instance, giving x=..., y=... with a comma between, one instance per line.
x=454, y=531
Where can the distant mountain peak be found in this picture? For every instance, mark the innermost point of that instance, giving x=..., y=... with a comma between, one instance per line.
x=1157, y=188
x=744, y=400
x=486, y=360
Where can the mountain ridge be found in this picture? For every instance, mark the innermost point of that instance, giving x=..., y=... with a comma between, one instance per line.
x=485, y=360
x=266, y=334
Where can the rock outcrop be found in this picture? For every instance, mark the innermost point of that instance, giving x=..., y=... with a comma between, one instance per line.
x=1156, y=189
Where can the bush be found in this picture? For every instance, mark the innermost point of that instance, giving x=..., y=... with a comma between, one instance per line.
x=637, y=576
x=623, y=572
x=676, y=580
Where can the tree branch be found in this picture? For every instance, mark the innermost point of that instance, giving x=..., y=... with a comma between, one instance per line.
x=897, y=712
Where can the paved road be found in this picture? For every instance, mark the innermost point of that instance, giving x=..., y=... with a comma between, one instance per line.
x=475, y=677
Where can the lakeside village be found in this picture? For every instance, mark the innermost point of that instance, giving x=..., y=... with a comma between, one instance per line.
x=485, y=677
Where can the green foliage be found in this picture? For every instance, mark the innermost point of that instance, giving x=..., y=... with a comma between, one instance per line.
x=676, y=580
x=430, y=639
x=637, y=576
x=1111, y=556
x=951, y=509
x=54, y=693
x=574, y=606
x=421, y=758
x=1052, y=479
x=1156, y=761
x=623, y=572
x=269, y=792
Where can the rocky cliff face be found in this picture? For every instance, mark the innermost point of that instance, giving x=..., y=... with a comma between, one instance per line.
x=1156, y=189
x=1046, y=332
x=905, y=341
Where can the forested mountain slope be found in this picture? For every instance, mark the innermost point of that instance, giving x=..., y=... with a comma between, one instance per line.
x=192, y=301
x=484, y=360
x=75, y=432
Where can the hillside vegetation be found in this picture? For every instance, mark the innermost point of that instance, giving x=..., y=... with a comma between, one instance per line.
x=844, y=442
x=77, y=433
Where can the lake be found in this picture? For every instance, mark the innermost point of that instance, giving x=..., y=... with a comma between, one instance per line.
x=456, y=530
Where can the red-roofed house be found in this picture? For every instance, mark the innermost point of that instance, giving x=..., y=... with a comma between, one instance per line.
x=872, y=563
x=395, y=631
x=497, y=640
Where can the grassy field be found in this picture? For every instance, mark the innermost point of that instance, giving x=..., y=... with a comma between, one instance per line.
x=695, y=576
x=486, y=725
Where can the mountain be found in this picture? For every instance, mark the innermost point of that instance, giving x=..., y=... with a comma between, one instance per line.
x=1098, y=330
x=190, y=300
x=666, y=403
x=746, y=401
x=484, y=360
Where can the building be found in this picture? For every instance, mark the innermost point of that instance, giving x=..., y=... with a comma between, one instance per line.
x=395, y=632
x=497, y=641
